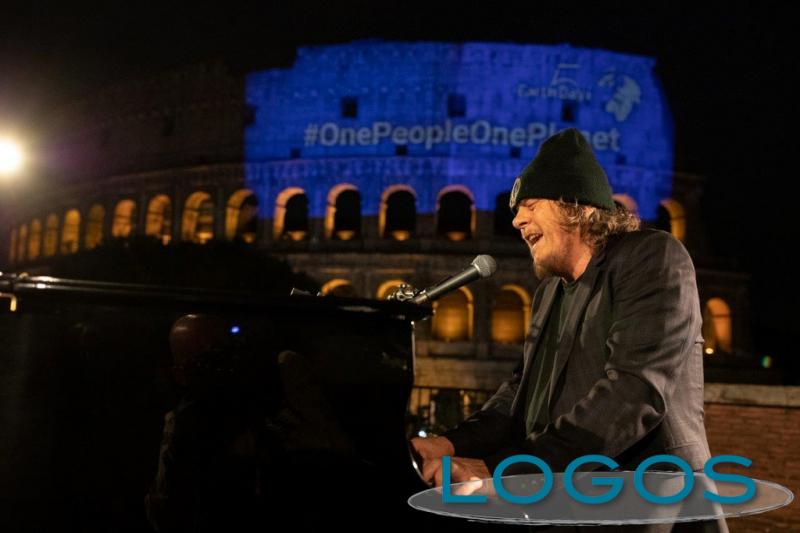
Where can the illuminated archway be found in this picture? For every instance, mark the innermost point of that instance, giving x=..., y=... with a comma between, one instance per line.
x=455, y=213
x=22, y=242
x=71, y=232
x=452, y=316
x=241, y=220
x=677, y=218
x=291, y=215
x=198, y=218
x=387, y=287
x=124, y=219
x=510, y=314
x=397, y=218
x=627, y=202
x=339, y=287
x=94, y=226
x=51, y=235
x=717, y=326
x=503, y=217
x=158, y=223
x=343, y=213
x=35, y=239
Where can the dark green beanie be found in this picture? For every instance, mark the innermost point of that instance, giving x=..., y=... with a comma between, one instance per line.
x=565, y=167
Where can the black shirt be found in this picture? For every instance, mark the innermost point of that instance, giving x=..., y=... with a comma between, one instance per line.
x=537, y=412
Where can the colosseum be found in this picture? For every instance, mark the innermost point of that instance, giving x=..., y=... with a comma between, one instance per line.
x=372, y=164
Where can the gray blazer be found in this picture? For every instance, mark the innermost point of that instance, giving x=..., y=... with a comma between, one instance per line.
x=628, y=374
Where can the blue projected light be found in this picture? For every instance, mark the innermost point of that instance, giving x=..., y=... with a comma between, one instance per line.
x=429, y=115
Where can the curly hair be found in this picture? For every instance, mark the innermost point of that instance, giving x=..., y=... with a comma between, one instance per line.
x=596, y=225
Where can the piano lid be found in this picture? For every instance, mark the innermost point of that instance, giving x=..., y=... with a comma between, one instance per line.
x=45, y=288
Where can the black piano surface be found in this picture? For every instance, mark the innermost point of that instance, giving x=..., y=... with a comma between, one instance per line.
x=85, y=378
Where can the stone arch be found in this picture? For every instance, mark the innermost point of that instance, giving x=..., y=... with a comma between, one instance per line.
x=455, y=213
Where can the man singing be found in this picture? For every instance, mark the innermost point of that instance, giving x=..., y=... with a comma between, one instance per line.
x=612, y=362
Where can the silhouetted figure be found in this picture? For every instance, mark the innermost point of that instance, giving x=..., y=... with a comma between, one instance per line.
x=251, y=435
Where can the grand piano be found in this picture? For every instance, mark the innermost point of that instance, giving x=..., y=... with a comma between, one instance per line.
x=86, y=382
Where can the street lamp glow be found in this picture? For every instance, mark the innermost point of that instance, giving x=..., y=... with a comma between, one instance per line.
x=10, y=157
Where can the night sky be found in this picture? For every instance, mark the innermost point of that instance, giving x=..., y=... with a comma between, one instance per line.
x=726, y=72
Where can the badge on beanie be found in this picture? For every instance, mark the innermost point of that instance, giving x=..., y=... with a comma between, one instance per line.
x=512, y=200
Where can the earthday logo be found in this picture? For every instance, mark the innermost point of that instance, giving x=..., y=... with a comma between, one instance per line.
x=626, y=92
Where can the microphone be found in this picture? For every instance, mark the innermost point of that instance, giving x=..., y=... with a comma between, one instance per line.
x=482, y=266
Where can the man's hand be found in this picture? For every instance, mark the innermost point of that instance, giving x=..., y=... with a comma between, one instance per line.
x=462, y=469
x=432, y=448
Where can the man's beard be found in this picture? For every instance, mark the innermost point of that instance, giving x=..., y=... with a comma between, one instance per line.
x=541, y=271
x=545, y=269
